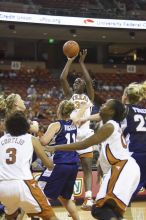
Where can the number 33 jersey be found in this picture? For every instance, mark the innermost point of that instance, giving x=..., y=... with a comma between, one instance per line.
x=15, y=157
x=84, y=130
x=134, y=129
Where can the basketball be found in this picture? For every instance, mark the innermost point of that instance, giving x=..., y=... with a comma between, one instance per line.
x=71, y=48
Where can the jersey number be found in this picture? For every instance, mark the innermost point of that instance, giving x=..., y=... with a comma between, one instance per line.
x=69, y=137
x=142, y=122
x=12, y=155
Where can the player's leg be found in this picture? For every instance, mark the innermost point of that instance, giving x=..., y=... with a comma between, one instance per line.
x=34, y=202
x=70, y=207
x=9, y=196
x=67, y=191
x=12, y=216
x=86, y=163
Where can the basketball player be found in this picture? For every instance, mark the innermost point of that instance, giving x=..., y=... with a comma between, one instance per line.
x=117, y=187
x=18, y=189
x=134, y=126
x=59, y=183
x=8, y=105
x=78, y=96
x=12, y=103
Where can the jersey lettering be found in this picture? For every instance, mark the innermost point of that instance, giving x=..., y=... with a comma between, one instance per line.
x=142, y=122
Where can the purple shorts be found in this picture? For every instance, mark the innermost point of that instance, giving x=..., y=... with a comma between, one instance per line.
x=61, y=181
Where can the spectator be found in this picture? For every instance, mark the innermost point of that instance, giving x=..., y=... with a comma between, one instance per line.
x=31, y=92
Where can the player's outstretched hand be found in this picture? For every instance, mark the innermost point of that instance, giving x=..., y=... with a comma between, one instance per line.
x=72, y=58
x=83, y=56
x=34, y=127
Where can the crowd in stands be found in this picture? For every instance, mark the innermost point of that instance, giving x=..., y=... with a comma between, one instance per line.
x=122, y=9
x=42, y=92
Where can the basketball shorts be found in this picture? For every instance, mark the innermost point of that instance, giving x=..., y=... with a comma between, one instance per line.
x=59, y=182
x=88, y=152
x=141, y=161
x=27, y=195
x=119, y=184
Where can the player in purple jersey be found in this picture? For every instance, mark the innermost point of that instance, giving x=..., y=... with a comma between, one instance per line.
x=9, y=105
x=134, y=126
x=59, y=183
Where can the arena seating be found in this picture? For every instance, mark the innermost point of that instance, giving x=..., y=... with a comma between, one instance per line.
x=126, y=9
x=44, y=106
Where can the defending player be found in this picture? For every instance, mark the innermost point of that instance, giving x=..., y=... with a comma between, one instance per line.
x=78, y=96
x=134, y=126
x=113, y=196
x=18, y=189
x=59, y=183
x=12, y=103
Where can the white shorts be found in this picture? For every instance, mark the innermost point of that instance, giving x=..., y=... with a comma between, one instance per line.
x=89, y=149
x=27, y=195
x=119, y=184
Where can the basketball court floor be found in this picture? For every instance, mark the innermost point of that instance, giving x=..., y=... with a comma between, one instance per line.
x=137, y=211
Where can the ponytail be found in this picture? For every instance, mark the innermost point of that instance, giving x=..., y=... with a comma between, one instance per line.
x=136, y=92
x=7, y=104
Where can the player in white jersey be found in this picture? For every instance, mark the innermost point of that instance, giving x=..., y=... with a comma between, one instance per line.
x=117, y=187
x=8, y=105
x=12, y=103
x=18, y=189
x=78, y=95
x=84, y=131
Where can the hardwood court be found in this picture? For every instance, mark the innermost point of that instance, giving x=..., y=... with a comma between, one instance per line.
x=137, y=211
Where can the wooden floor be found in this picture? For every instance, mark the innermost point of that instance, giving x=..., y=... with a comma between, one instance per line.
x=137, y=211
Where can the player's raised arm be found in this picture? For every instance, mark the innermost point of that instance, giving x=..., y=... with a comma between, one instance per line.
x=87, y=78
x=101, y=135
x=95, y=117
x=76, y=116
x=63, y=78
x=41, y=153
x=53, y=128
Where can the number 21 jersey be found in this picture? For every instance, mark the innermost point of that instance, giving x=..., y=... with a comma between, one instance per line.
x=134, y=127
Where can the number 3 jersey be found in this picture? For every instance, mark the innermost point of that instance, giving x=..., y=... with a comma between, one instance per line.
x=66, y=135
x=134, y=129
x=15, y=157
